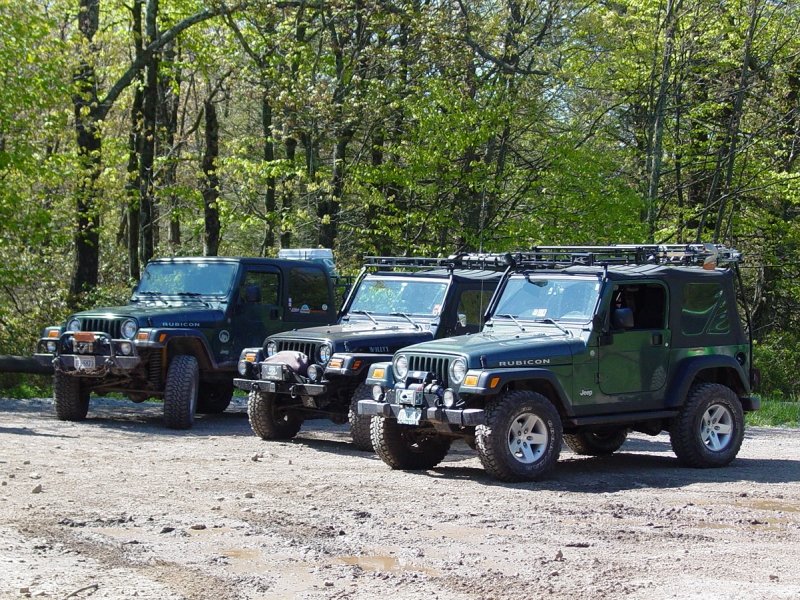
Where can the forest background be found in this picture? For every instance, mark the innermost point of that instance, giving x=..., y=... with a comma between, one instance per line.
x=138, y=128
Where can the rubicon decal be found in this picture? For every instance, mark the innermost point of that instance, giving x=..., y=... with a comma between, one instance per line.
x=529, y=362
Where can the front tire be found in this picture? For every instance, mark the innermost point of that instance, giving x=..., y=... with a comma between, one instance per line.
x=268, y=421
x=596, y=443
x=521, y=439
x=213, y=399
x=71, y=401
x=710, y=428
x=180, y=392
x=360, y=424
x=407, y=447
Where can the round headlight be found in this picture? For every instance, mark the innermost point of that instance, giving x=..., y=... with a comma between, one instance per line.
x=458, y=369
x=242, y=367
x=74, y=325
x=128, y=329
x=400, y=366
x=325, y=352
x=125, y=348
x=272, y=348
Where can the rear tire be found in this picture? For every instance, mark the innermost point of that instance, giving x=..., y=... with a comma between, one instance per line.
x=213, y=399
x=180, y=392
x=71, y=401
x=596, y=443
x=360, y=424
x=268, y=421
x=710, y=428
x=521, y=439
x=407, y=447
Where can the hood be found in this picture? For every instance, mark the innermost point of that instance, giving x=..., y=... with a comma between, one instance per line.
x=186, y=315
x=383, y=338
x=506, y=349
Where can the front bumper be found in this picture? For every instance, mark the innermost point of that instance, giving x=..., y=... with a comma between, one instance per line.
x=282, y=387
x=465, y=417
x=79, y=365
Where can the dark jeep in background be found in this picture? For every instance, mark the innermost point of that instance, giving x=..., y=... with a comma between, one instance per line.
x=584, y=344
x=180, y=336
x=319, y=372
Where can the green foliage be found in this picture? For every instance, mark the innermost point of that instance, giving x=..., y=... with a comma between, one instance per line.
x=776, y=412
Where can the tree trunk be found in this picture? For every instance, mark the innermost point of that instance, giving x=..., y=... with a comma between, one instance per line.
x=148, y=146
x=88, y=113
x=269, y=194
x=211, y=188
x=169, y=104
x=288, y=200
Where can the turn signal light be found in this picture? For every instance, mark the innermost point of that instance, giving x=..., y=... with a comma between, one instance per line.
x=471, y=380
x=379, y=373
x=336, y=363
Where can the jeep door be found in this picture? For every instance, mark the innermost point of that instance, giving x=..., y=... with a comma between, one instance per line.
x=258, y=312
x=634, y=360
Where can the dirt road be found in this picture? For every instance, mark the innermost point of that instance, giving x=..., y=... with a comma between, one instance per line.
x=118, y=506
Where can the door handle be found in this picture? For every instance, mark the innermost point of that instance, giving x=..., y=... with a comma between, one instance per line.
x=658, y=339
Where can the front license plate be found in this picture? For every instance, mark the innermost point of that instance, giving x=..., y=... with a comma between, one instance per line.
x=409, y=397
x=272, y=371
x=82, y=363
x=409, y=416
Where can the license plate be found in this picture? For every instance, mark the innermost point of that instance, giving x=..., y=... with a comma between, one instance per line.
x=273, y=372
x=83, y=363
x=409, y=397
x=409, y=416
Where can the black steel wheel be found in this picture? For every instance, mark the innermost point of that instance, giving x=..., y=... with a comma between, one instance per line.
x=407, y=447
x=269, y=421
x=70, y=399
x=180, y=392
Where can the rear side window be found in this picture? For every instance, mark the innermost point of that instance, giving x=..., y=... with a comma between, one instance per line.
x=473, y=304
x=308, y=291
x=704, y=310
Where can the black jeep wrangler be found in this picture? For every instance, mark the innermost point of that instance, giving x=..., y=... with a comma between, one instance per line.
x=319, y=372
x=582, y=344
x=180, y=336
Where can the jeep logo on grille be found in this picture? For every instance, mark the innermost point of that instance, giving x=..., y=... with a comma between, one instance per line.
x=528, y=362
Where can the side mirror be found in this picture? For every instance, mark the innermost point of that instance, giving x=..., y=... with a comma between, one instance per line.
x=622, y=318
x=462, y=319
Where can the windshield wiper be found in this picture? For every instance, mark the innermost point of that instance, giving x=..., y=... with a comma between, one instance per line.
x=552, y=322
x=407, y=318
x=513, y=318
x=366, y=314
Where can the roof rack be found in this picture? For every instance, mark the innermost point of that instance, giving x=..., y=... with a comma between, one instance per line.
x=708, y=256
x=456, y=261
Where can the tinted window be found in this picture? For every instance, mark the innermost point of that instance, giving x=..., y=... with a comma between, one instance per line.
x=261, y=288
x=648, y=302
x=704, y=310
x=308, y=291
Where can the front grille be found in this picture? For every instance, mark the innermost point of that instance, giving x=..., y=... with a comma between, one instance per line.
x=112, y=327
x=307, y=348
x=439, y=365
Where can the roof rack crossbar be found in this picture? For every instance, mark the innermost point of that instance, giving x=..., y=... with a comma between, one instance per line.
x=559, y=257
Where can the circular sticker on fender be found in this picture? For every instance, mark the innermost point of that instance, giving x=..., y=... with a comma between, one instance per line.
x=224, y=336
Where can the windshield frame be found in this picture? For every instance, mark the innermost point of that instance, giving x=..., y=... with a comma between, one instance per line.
x=501, y=310
x=395, y=313
x=191, y=289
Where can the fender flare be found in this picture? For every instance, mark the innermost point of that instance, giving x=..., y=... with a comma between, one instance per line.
x=690, y=367
x=508, y=376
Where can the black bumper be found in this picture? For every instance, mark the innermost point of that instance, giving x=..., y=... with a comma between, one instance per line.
x=281, y=387
x=69, y=364
x=467, y=417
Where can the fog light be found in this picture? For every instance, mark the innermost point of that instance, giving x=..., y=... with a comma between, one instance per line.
x=449, y=398
x=242, y=368
x=51, y=347
x=377, y=393
x=125, y=348
x=315, y=372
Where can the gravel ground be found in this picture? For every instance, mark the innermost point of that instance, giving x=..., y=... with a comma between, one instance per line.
x=118, y=506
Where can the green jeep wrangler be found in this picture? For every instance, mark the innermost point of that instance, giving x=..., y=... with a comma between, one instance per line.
x=582, y=344
x=319, y=372
x=180, y=336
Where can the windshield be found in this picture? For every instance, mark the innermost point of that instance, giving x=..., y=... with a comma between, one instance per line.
x=385, y=296
x=537, y=298
x=190, y=279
